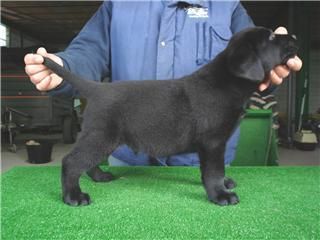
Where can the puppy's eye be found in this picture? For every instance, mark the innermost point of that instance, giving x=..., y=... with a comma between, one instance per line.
x=272, y=36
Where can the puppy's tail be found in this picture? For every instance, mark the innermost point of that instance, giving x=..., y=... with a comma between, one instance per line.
x=83, y=86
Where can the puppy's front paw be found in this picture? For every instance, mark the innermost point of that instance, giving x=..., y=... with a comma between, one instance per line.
x=229, y=183
x=79, y=199
x=224, y=198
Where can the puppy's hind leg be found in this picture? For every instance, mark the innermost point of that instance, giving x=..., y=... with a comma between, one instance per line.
x=90, y=148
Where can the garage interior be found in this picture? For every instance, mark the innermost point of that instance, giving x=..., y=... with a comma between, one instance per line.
x=28, y=114
x=54, y=24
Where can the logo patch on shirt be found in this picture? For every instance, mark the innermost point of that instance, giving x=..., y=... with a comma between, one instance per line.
x=197, y=12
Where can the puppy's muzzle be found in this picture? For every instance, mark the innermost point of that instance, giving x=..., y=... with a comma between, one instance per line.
x=290, y=44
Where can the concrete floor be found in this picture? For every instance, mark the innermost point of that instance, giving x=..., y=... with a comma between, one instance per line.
x=288, y=157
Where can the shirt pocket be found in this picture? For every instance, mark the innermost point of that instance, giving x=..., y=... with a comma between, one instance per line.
x=211, y=40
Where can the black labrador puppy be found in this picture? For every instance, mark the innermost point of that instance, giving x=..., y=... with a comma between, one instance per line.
x=196, y=113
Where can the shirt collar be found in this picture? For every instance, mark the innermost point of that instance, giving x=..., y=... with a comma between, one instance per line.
x=201, y=3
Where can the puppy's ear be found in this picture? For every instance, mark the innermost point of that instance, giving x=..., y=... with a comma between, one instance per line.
x=243, y=62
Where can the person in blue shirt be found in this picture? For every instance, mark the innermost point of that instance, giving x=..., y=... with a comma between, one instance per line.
x=150, y=40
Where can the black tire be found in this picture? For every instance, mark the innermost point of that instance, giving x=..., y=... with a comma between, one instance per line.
x=70, y=129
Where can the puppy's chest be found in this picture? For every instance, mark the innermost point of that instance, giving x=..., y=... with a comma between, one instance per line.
x=218, y=117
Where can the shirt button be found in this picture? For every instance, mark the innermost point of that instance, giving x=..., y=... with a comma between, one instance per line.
x=163, y=43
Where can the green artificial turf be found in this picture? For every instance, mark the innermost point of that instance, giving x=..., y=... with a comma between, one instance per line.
x=161, y=202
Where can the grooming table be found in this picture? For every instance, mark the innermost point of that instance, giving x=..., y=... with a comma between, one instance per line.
x=162, y=202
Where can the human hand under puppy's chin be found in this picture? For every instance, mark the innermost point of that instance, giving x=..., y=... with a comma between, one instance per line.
x=276, y=75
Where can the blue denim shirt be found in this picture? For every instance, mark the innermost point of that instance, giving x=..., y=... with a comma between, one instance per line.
x=155, y=40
